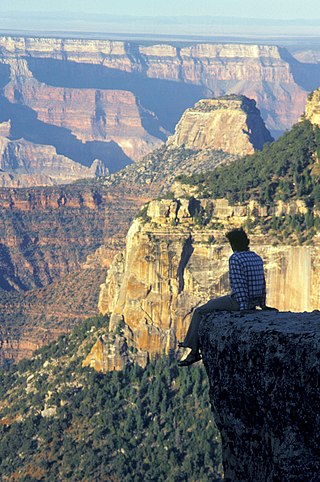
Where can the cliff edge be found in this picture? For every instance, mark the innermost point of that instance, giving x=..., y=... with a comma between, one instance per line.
x=264, y=371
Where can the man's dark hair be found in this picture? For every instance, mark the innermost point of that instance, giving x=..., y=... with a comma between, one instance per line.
x=238, y=239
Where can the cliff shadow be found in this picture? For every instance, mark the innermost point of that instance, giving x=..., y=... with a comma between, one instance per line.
x=304, y=74
x=26, y=125
x=7, y=272
x=186, y=254
x=4, y=75
x=167, y=99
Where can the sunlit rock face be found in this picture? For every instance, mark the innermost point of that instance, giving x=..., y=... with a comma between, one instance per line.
x=103, y=115
x=177, y=77
x=230, y=123
x=24, y=164
x=264, y=374
x=312, y=110
x=108, y=353
x=293, y=277
x=170, y=266
x=116, y=102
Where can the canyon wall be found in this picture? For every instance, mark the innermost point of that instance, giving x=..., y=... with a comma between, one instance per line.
x=31, y=319
x=213, y=132
x=133, y=95
x=263, y=370
x=46, y=233
x=171, y=265
x=24, y=164
x=103, y=115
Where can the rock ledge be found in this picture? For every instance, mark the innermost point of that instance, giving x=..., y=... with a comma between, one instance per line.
x=264, y=372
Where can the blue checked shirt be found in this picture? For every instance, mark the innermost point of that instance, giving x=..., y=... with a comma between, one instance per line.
x=247, y=279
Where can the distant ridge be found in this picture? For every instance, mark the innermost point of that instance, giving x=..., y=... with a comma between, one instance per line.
x=170, y=25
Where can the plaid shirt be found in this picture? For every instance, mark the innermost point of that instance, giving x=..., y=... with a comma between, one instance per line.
x=247, y=279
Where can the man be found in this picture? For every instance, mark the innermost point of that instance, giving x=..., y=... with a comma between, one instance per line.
x=248, y=290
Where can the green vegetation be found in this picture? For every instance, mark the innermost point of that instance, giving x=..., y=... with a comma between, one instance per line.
x=142, y=214
x=60, y=421
x=304, y=226
x=285, y=169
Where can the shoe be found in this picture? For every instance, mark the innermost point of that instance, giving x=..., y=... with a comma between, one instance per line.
x=191, y=358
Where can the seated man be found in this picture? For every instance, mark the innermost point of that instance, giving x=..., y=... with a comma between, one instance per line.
x=248, y=290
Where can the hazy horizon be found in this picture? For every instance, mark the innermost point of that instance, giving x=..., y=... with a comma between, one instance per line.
x=189, y=25
x=273, y=9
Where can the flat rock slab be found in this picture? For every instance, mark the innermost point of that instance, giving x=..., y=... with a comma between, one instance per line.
x=264, y=372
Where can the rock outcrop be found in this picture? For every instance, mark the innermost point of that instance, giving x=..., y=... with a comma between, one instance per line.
x=117, y=101
x=172, y=264
x=229, y=123
x=264, y=372
x=25, y=164
x=177, y=77
x=312, y=109
x=213, y=132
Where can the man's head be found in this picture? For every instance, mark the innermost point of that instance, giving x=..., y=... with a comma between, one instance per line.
x=238, y=239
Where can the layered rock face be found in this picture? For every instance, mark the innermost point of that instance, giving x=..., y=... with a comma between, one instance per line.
x=263, y=371
x=171, y=265
x=213, y=132
x=46, y=233
x=230, y=123
x=265, y=73
x=115, y=102
x=90, y=114
x=24, y=164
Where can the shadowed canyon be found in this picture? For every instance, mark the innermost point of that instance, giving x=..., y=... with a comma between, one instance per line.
x=101, y=104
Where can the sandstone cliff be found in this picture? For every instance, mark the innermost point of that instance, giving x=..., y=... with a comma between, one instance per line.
x=117, y=101
x=172, y=264
x=312, y=109
x=263, y=371
x=90, y=114
x=213, y=132
x=265, y=73
x=24, y=164
x=230, y=123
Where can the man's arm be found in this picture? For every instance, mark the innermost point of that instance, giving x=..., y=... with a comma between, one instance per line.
x=238, y=283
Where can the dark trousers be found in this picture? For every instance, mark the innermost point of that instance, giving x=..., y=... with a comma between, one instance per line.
x=224, y=303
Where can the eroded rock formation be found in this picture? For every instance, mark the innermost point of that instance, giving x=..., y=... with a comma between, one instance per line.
x=24, y=164
x=103, y=115
x=115, y=102
x=172, y=264
x=178, y=77
x=230, y=123
x=264, y=374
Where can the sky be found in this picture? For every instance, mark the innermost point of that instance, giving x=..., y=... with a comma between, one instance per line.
x=276, y=9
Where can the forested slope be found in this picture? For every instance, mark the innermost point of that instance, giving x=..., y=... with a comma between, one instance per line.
x=59, y=421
